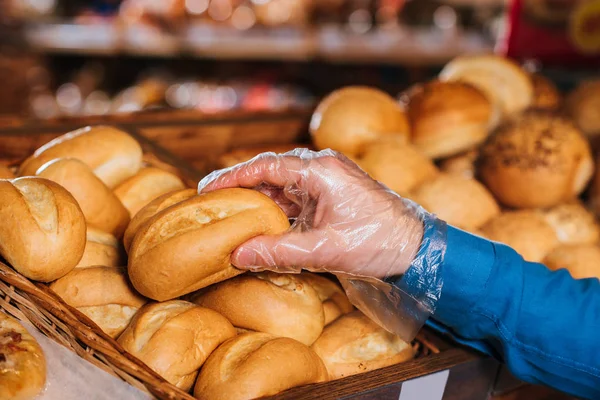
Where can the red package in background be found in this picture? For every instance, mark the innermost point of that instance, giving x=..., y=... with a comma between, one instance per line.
x=554, y=32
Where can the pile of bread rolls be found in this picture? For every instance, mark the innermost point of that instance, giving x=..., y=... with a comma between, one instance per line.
x=148, y=261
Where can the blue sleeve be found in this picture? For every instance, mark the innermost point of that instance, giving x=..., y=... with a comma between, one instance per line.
x=544, y=325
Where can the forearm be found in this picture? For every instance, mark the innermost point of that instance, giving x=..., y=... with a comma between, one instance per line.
x=544, y=325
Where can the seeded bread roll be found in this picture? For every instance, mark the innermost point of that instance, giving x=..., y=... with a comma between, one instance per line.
x=581, y=260
x=101, y=208
x=545, y=94
x=354, y=344
x=175, y=338
x=351, y=117
x=335, y=301
x=536, y=160
x=188, y=246
x=254, y=365
x=101, y=248
x=462, y=202
x=573, y=223
x=525, y=231
x=148, y=184
x=442, y=128
x=6, y=173
x=280, y=304
x=396, y=164
x=42, y=234
x=153, y=208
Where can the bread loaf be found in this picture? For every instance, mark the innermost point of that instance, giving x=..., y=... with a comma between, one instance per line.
x=335, y=301
x=101, y=248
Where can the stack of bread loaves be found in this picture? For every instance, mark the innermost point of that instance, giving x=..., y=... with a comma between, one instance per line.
x=148, y=261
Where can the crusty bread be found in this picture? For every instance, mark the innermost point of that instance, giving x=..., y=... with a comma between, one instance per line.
x=153, y=208
x=354, y=344
x=545, y=94
x=351, y=117
x=447, y=118
x=238, y=156
x=6, y=173
x=188, y=246
x=103, y=294
x=101, y=248
x=175, y=338
x=101, y=208
x=536, y=160
x=254, y=365
x=462, y=202
x=396, y=164
x=42, y=234
x=112, y=154
x=280, y=304
x=526, y=231
x=148, y=184
x=22, y=365
x=335, y=301
x=581, y=260
x=573, y=223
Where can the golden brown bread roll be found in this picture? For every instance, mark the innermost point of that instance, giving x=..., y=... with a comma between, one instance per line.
x=462, y=202
x=42, y=234
x=461, y=165
x=351, y=117
x=573, y=223
x=6, y=173
x=101, y=208
x=254, y=365
x=354, y=344
x=536, y=160
x=22, y=365
x=148, y=184
x=583, y=105
x=526, y=231
x=175, y=338
x=396, y=164
x=447, y=118
x=280, y=304
x=103, y=294
x=112, y=154
x=188, y=246
x=504, y=82
x=238, y=156
x=581, y=260
x=545, y=94
x=153, y=208
x=335, y=301
x=101, y=248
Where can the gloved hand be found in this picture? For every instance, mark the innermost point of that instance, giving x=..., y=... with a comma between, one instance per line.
x=346, y=223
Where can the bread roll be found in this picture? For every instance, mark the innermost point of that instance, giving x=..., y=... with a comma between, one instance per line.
x=461, y=165
x=112, y=154
x=101, y=248
x=545, y=94
x=504, y=82
x=280, y=304
x=581, y=260
x=536, y=160
x=101, y=208
x=6, y=173
x=448, y=118
x=153, y=208
x=42, y=234
x=22, y=362
x=525, y=231
x=335, y=301
x=103, y=294
x=254, y=365
x=148, y=184
x=354, y=344
x=175, y=338
x=351, y=117
x=573, y=223
x=188, y=246
x=583, y=105
x=396, y=164
x=462, y=202
x=241, y=155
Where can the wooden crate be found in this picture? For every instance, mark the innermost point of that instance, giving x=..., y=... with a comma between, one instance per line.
x=451, y=374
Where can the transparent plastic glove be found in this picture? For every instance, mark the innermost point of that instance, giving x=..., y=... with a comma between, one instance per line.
x=348, y=224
